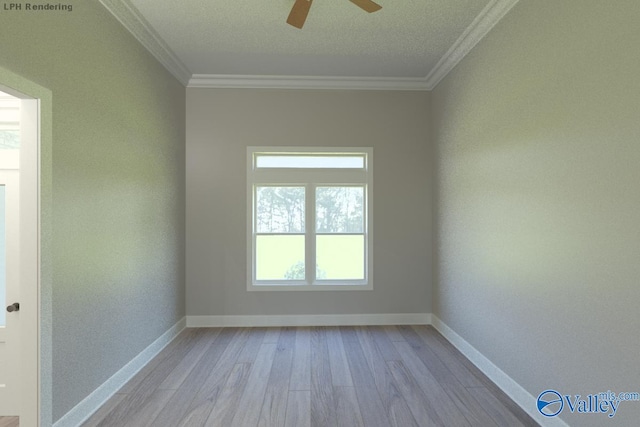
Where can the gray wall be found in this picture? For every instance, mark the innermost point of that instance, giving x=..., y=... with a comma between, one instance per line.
x=118, y=189
x=222, y=123
x=538, y=199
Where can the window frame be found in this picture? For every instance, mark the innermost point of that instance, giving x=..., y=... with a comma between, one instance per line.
x=310, y=179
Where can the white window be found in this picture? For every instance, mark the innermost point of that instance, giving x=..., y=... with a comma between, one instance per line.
x=309, y=218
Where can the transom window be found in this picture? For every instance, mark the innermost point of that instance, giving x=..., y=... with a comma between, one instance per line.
x=309, y=218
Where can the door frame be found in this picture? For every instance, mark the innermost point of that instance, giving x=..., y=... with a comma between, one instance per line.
x=9, y=179
x=35, y=247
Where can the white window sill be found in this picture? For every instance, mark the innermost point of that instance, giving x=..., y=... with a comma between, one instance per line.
x=315, y=287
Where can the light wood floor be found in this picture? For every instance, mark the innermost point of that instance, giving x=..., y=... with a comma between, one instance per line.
x=322, y=376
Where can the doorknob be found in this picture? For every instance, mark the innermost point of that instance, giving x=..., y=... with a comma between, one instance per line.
x=14, y=307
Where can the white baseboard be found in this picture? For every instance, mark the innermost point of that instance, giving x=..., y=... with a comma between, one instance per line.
x=310, y=320
x=515, y=391
x=83, y=410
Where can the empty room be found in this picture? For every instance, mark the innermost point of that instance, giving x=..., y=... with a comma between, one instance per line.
x=319, y=213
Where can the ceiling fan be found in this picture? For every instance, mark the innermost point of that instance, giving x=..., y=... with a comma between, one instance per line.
x=300, y=9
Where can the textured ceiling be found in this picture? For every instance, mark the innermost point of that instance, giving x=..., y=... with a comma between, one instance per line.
x=250, y=37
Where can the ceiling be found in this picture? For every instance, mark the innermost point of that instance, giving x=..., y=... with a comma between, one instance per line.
x=236, y=42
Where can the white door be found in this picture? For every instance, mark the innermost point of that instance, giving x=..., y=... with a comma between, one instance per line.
x=9, y=294
x=10, y=344
x=19, y=257
x=20, y=267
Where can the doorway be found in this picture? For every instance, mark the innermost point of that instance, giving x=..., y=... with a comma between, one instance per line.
x=9, y=255
x=19, y=253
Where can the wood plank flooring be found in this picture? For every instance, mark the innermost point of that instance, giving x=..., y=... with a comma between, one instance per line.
x=368, y=376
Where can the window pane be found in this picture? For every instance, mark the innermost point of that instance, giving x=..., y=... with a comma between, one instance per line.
x=280, y=209
x=310, y=161
x=280, y=258
x=340, y=257
x=339, y=209
x=9, y=139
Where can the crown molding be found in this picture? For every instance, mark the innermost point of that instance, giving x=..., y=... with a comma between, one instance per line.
x=481, y=25
x=133, y=21
x=493, y=12
x=306, y=82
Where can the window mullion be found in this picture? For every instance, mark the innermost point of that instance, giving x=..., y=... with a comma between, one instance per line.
x=310, y=238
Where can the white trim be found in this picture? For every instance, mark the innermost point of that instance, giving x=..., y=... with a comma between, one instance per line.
x=476, y=31
x=35, y=175
x=306, y=82
x=326, y=176
x=136, y=24
x=514, y=390
x=309, y=178
x=30, y=137
x=481, y=25
x=310, y=320
x=10, y=159
x=29, y=208
x=83, y=410
x=327, y=285
x=13, y=332
x=132, y=20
